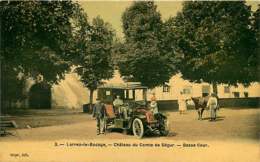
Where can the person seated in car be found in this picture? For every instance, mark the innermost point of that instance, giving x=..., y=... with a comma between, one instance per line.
x=154, y=107
x=153, y=104
x=117, y=103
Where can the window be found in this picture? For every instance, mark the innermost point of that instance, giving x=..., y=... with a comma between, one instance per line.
x=130, y=94
x=246, y=94
x=108, y=93
x=205, y=90
x=187, y=90
x=205, y=94
x=226, y=89
x=166, y=88
x=236, y=94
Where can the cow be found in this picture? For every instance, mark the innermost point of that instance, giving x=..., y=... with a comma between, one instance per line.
x=200, y=104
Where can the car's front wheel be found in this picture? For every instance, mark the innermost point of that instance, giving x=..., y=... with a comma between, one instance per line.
x=138, y=128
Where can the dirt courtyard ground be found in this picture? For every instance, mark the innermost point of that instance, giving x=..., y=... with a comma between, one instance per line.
x=233, y=137
x=230, y=124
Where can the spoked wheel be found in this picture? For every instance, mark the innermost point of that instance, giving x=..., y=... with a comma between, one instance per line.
x=138, y=128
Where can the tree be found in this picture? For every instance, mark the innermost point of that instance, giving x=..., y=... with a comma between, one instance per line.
x=145, y=58
x=118, y=51
x=94, y=62
x=35, y=36
x=12, y=86
x=35, y=39
x=215, y=42
x=254, y=60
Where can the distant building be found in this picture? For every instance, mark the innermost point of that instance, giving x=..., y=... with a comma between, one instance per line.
x=171, y=90
x=71, y=93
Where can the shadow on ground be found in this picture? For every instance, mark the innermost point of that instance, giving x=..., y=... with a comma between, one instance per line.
x=219, y=118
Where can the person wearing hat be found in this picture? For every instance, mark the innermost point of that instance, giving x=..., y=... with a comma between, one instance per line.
x=99, y=113
x=154, y=107
x=153, y=104
x=153, y=98
x=213, y=105
x=117, y=104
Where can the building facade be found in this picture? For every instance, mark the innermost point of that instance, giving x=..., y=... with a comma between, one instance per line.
x=172, y=89
x=70, y=93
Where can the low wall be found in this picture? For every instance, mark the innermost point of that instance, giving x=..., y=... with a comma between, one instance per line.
x=168, y=105
x=252, y=102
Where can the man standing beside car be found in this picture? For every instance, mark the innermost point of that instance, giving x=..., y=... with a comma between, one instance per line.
x=99, y=113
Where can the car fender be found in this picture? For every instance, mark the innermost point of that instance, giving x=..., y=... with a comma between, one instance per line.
x=163, y=115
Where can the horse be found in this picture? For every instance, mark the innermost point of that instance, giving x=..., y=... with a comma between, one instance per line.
x=200, y=105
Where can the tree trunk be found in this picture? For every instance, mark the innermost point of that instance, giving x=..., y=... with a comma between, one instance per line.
x=215, y=88
x=9, y=105
x=91, y=100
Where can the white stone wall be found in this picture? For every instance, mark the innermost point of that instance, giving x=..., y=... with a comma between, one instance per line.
x=177, y=84
x=253, y=90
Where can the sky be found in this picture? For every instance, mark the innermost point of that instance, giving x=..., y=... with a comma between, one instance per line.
x=111, y=11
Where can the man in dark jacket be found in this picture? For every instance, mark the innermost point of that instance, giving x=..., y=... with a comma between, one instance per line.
x=99, y=113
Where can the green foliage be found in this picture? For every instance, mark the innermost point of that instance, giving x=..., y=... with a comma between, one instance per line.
x=35, y=39
x=94, y=61
x=214, y=41
x=254, y=59
x=35, y=36
x=118, y=53
x=145, y=58
x=12, y=85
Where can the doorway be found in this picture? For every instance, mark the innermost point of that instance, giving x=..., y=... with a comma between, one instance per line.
x=40, y=96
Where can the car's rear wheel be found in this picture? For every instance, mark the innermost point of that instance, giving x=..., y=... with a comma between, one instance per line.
x=138, y=128
x=165, y=130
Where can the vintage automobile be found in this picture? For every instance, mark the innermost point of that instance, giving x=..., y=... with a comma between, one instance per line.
x=136, y=117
